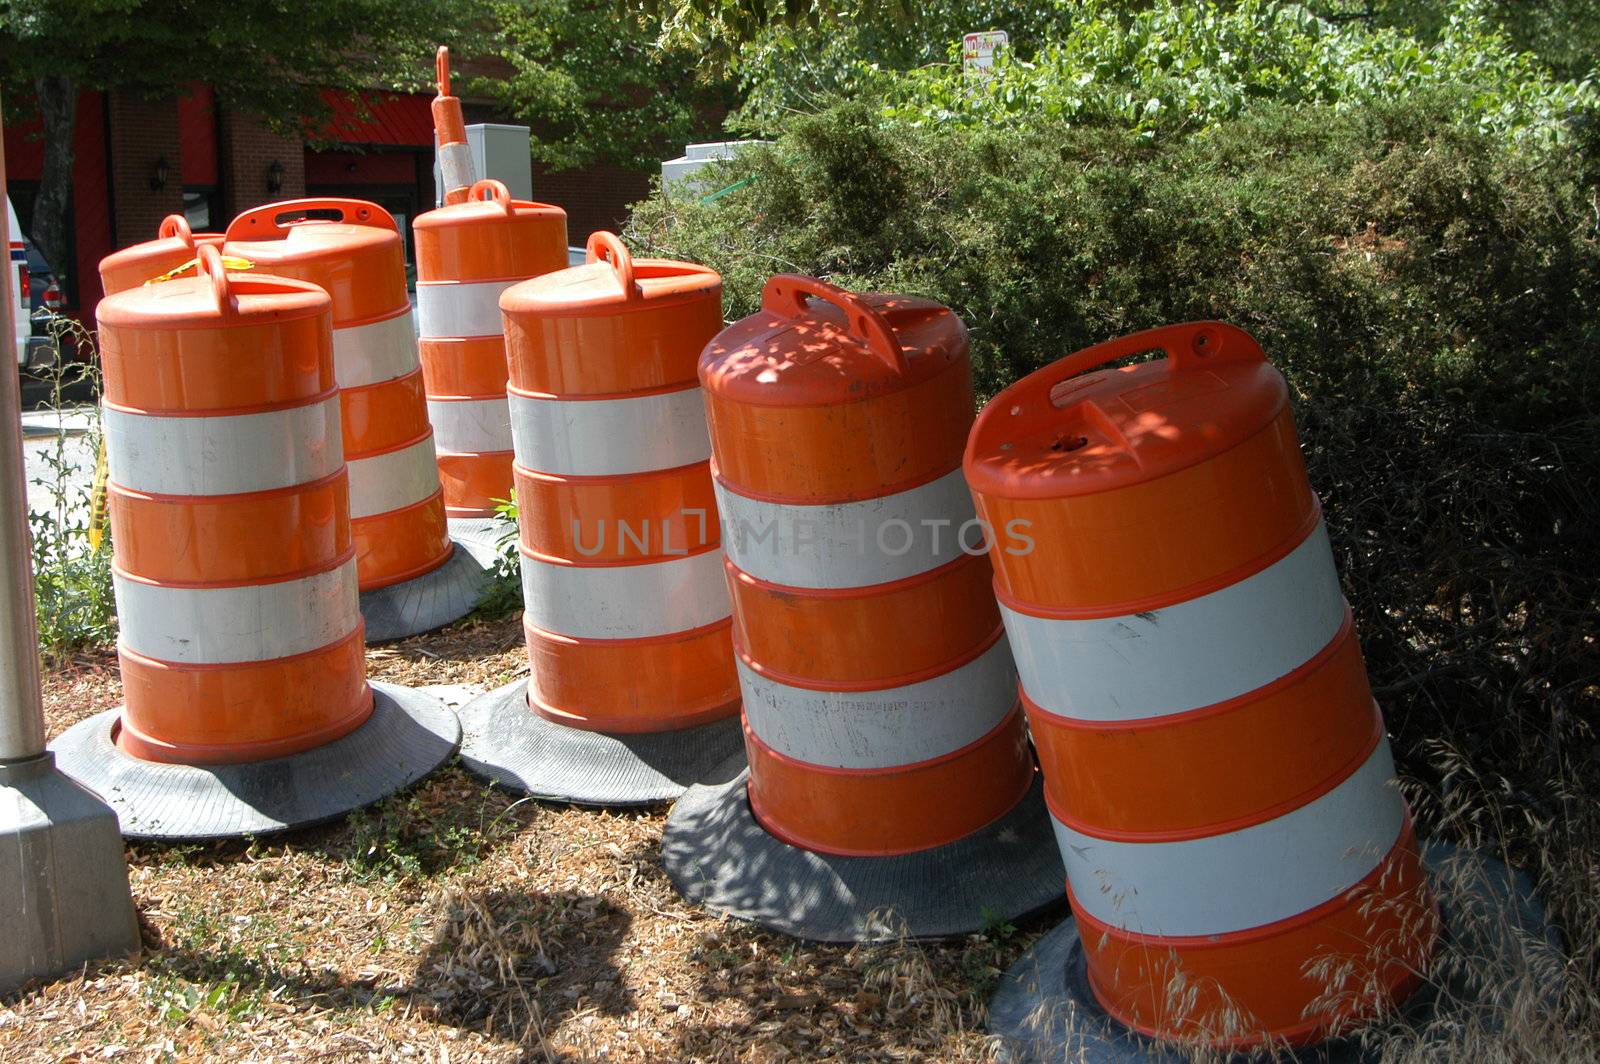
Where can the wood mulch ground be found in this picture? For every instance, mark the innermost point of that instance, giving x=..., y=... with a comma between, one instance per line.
x=457, y=923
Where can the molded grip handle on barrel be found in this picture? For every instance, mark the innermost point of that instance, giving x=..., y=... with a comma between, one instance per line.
x=1191, y=345
x=176, y=225
x=265, y=223
x=785, y=295
x=209, y=264
x=441, y=67
x=497, y=193
x=620, y=257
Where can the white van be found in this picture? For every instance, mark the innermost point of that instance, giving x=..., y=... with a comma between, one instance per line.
x=21, y=322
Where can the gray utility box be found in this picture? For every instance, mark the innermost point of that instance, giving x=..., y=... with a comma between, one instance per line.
x=500, y=151
x=697, y=157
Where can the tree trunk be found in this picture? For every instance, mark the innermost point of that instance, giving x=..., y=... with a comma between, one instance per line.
x=52, y=207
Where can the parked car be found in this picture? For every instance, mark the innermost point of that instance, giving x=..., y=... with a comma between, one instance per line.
x=45, y=303
x=21, y=317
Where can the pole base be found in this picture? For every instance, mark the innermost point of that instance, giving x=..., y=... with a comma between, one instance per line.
x=1044, y=1011
x=719, y=855
x=432, y=600
x=62, y=874
x=408, y=736
x=508, y=743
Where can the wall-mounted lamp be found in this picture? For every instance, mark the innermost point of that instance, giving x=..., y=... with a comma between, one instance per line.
x=275, y=177
x=158, y=174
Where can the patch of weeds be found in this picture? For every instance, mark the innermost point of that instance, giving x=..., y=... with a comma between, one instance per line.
x=71, y=541
x=403, y=838
x=502, y=595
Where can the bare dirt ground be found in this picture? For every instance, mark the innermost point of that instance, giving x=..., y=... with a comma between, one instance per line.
x=457, y=923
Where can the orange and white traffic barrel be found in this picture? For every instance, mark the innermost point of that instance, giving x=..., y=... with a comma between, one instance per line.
x=881, y=714
x=626, y=612
x=233, y=565
x=354, y=251
x=175, y=245
x=468, y=254
x=450, y=136
x=1216, y=768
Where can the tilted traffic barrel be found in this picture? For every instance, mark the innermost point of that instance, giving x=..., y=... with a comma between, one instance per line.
x=174, y=246
x=235, y=576
x=1241, y=863
x=880, y=701
x=468, y=253
x=354, y=251
x=627, y=615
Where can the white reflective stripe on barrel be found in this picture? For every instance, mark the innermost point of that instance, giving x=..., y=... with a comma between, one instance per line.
x=610, y=437
x=455, y=165
x=1192, y=654
x=388, y=481
x=849, y=544
x=625, y=601
x=228, y=625
x=460, y=308
x=471, y=426
x=375, y=352
x=883, y=728
x=223, y=455
x=1246, y=878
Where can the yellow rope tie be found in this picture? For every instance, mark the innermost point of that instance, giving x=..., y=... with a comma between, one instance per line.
x=97, y=499
x=229, y=262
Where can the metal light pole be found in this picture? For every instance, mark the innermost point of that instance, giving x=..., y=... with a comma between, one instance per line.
x=63, y=877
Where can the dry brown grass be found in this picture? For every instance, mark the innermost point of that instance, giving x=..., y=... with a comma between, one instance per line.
x=459, y=923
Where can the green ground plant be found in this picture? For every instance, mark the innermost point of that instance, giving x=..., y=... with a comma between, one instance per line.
x=72, y=575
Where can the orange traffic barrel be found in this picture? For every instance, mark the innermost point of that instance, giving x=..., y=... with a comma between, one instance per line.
x=1216, y=768
x=174, y=246
x=354, y=251
x=881, y=715
x=626, y=613
x=468, y=254
x=450, y=136
x=240, y=638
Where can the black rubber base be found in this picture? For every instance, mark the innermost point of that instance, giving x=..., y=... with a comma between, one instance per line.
x=718, y=854
x=408, y=736
x=505, y=741
x=1044, y=1011
x=429, y=601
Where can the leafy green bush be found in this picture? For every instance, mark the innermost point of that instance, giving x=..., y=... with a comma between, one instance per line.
x=1430, y=289
x=1176, y=67
x=1382, y=252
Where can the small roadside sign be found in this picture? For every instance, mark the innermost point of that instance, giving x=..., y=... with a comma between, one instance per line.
x=978, y=52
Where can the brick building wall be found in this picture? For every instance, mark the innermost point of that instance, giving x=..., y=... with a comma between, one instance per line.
x=247, y=151
x=143, y=134
x=595, y=197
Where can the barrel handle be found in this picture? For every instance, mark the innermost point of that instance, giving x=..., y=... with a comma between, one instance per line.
x=176, y=225
x=262, y=222
x=441, y=67
x=617, y=252
x=498, y=193
x=1191, y=345
x=208, y=263
x=785, y=295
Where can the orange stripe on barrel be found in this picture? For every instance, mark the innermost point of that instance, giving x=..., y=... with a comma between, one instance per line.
x=803, y=635
x=1252, y=757
x=224, y=539
x=1357, y=954
x=591, y=520
x=225, y=714
x=404, y=543
x=692, y=672
x=883, y=812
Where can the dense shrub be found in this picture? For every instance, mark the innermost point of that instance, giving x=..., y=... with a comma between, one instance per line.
x=1432, y=293
x=1383, y=253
